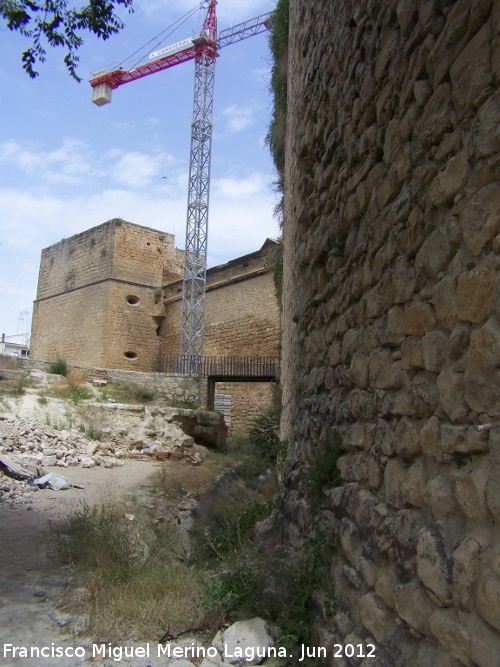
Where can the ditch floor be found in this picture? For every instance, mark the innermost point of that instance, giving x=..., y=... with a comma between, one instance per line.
x=31, y=585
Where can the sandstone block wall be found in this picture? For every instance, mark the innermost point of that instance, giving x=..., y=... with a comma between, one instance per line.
x=241, y=319
x=248, y=401
x=391, y=328
x=98, y=295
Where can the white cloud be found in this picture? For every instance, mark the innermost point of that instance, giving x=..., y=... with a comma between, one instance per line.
x=233, y=188
x=37, y=216
x=66, y=164
x=238, y=117
x=229, y=12
x=135, y=169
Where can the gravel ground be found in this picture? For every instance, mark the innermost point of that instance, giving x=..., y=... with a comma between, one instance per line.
x=30, y=584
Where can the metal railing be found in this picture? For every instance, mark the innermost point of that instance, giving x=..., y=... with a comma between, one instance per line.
x=242, y=367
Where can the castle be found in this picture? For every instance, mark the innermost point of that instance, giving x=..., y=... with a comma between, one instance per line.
x=111, y=297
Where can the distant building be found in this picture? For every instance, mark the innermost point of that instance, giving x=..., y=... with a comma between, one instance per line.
x=13, y=345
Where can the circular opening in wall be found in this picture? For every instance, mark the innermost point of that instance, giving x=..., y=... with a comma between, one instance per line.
x=132, y=300
x=130, y=355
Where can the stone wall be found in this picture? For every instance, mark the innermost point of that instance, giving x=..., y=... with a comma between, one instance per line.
x=175, y=388
x=391, y=329
x=241, y=319
x=97, y=296
x=241, y=309
x=248, y=401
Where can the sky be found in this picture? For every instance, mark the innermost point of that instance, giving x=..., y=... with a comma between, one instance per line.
x=67, y=165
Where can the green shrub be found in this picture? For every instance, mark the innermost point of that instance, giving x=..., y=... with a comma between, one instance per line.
x=323, y=472
x=79, y=393
x=59, y=367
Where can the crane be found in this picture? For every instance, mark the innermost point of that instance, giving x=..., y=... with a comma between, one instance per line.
x=204, y=51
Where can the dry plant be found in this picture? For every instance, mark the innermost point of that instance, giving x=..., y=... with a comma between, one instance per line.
x=132, y=581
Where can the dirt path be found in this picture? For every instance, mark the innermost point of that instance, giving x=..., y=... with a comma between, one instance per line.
x=29, y=582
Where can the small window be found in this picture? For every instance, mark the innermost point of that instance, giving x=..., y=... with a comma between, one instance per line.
x=130, y=355
x=132, y=300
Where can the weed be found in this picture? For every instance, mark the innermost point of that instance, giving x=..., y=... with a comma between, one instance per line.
x=42, y=399
x=79, y=393
x=93, y=433
x=58, y=367
x=19, y=387
x=323, y=473
x=128, y=392
x=130, y=579
x=184, y=404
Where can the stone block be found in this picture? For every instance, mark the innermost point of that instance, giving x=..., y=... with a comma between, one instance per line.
x=449, y=181
x=482, y=388
x=430, y=439
x=433, y=345
x=414, y=606
x=470, y=490
x=484, y=138
x=471, y=72
x=359, y=370
x=480, y=220
x=424, y=395
x=465, y=558
x=452, y=634
x=451, y=388
x=435, y=254
x=403, y=280
x=449, y=43
x=493, y=486
x=485, y=643
x=383, y=371
x=462, y=439
x=418, y=319
x=377, y=618
x=439, y=493
x=434, y=121
x=394, y=331
x=408, y=438
x=488, y=598
x=458, y=342
x=433, y=566
x=485, y=344
x=393, y=474
x=251, y=633
x=385, y=437
x=422, y=90
x=411, y=350
x=443, y=298
x=385, y=585
x=407, y=524
x=413, y=484
x=475, y=295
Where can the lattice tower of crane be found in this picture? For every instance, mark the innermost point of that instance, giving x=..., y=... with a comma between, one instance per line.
x=203, y=50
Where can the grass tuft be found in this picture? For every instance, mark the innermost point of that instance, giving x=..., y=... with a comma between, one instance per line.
x=58, y=367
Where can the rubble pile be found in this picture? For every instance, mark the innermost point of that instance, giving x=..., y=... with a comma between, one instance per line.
x=35, y=446
x=31, y=442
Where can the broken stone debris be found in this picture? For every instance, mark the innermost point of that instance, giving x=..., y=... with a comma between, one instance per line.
x=27, y=447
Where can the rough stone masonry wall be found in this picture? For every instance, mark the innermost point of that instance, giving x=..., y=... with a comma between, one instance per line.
x=96, y=296
x=241, y=319
x=391, y=320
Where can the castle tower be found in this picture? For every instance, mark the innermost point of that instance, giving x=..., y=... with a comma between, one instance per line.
x=99, y=296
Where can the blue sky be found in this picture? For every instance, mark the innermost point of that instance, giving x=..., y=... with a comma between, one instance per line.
x=67, y=165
